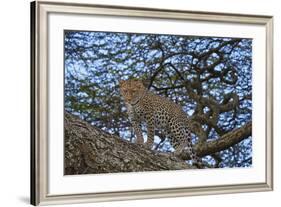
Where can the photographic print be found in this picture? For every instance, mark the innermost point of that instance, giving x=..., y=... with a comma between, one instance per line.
x=152, y=102
x=138, y=103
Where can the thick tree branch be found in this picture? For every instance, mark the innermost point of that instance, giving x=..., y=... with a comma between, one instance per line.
x=224, y=142
x=88, y=149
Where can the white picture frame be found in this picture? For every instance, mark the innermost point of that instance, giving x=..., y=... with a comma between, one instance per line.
x=50, y=186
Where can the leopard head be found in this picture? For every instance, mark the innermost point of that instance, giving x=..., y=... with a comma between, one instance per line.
x=132, y=90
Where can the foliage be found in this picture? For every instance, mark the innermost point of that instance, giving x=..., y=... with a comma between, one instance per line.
x=209, y=76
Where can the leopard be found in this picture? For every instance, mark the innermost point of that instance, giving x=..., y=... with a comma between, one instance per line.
x=158, y=113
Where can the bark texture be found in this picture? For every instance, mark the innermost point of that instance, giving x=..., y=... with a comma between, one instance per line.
x=89, y=150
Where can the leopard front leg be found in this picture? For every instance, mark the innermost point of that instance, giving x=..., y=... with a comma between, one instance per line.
x=137, y=129
x=150, y=133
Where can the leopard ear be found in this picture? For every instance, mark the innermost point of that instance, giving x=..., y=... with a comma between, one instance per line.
x=146, y=83
x=121, y=82
x=137, y=82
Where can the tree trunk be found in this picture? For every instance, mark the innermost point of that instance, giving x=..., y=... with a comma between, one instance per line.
x=89, y=150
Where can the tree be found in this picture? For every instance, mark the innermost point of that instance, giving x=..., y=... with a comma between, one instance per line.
x=210, y=77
